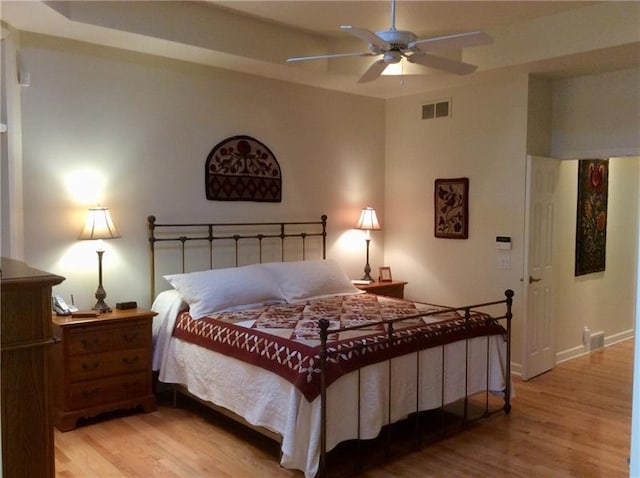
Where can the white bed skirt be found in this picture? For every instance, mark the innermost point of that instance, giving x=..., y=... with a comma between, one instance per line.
x=265, y=399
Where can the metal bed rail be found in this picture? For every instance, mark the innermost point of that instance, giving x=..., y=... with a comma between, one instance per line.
x=326, y=351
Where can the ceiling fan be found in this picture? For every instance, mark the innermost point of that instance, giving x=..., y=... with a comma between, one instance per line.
x=394, y=45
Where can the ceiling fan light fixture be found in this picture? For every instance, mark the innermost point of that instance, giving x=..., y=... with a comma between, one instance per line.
x=395, y=69
x=391, y=57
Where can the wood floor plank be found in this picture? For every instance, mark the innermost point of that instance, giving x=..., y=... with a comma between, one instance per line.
x=574, y=421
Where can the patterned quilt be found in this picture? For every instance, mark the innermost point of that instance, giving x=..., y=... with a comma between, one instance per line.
x=284, y=338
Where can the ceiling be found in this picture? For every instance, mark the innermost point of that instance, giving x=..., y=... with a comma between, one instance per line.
x=553, y=38
x=423, y=18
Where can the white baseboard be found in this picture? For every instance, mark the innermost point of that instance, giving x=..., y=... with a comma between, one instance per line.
x=516, y=369
x=575, y=352
x=619, y=337
x=572, y=353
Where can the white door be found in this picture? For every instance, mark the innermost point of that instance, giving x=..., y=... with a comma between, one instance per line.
x=539, y=354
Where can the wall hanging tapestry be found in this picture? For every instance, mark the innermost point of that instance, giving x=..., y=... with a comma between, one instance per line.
x=451, y=201
x=241, y=168
x=591, y=224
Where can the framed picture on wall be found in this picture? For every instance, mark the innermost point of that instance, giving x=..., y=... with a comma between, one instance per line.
x=385, y=274
x=451, y=204
x=591, y=222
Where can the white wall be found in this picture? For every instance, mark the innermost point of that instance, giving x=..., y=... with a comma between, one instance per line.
x=603, y=301
x=11, y=148
x=138, y=129
x=539, y=117
x=484, y=140
x=597, y=115
x=143, y=126
x=634, y=465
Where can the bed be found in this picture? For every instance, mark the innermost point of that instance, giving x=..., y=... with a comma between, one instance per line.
x=329, y=363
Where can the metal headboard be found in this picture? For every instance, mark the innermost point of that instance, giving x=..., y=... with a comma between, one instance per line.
x=210, y=233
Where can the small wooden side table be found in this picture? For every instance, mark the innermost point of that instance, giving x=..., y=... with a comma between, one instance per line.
x=388, y=288
x=102, y=364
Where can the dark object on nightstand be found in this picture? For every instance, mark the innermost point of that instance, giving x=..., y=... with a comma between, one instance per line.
x=388, y=288
x=126, y=305
x=102, y=364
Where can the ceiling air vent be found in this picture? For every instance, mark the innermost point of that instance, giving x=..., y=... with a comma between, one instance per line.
x=437, y=109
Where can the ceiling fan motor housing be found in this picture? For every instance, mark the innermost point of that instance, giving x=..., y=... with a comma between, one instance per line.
x=398, y=39
x=392, y=56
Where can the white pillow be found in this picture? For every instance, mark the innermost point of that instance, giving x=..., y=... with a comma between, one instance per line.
x=221, y=290
x=311, y=279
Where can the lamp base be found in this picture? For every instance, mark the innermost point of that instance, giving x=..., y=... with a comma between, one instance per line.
x=101, y=306
x=368, y=277
x=367, y=267
x=367, y=273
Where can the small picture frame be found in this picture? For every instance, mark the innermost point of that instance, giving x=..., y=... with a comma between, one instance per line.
x=385, y=274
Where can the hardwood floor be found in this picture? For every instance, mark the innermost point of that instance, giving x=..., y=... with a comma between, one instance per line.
x=574, y=421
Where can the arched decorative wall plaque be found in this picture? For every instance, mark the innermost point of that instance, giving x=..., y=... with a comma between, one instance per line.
x=241, y=168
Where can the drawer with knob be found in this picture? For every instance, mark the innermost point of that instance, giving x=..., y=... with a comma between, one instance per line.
x=108, y=390
x=106, y=364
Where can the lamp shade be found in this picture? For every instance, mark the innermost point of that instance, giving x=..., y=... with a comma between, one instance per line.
x=368, y=220
x=99, y=225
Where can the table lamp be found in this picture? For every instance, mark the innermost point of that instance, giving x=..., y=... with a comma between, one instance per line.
x=99, y=226
x=368, y=222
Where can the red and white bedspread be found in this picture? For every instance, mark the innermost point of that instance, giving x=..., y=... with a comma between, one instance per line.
x=284, y=338
x=268, y=398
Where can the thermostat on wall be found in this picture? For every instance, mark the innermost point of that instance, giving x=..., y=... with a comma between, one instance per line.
x=503, y=243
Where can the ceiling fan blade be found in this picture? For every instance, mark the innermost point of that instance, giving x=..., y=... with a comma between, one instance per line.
x=441, y=63
x=324, y=57
x=374, y=71
x=458, y=40
x=367, y=36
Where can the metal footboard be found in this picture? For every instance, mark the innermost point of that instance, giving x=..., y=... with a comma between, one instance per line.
x=326, y=352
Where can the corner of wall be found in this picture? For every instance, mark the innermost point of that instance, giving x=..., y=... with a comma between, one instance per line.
x=11, y=215
x=539, y=116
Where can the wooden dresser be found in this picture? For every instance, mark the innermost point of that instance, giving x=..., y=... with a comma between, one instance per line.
x=103, y=364
x=27, y=430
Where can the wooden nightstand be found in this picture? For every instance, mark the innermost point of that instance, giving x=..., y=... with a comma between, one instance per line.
x=389, y=288
x=102, y=364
